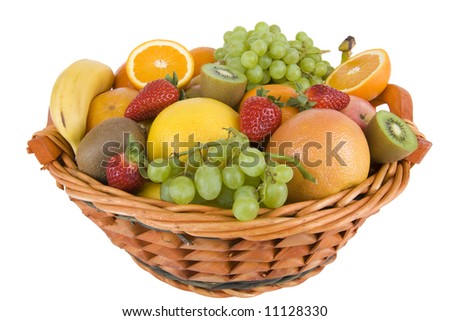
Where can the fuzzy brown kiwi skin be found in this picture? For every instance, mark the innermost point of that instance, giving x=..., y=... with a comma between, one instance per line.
x=213, y=84
x=387, y=146
x=102, y=141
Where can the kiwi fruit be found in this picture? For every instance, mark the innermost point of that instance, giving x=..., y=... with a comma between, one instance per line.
x=106, y=139
x=389, y=137
x=222, y=83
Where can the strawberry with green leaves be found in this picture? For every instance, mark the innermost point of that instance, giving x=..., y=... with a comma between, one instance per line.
x=124, y=170
x=259, y=116
x=153, y=98
x=327, y=97
x=322, y=96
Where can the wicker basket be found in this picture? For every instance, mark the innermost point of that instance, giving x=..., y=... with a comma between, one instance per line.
x=204, y=249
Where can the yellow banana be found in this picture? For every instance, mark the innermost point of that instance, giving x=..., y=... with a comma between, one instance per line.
x=72, y=94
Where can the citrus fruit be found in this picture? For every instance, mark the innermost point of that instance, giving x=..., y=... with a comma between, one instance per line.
x=109, y=104
x=202, y=55
x=364, y=75
x=155, y=59
x=121, y=78
x=331, y=146
x=183, y=124
x=150, y=190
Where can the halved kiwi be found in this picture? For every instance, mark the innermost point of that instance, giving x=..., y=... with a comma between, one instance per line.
x=390, y=138
x=222, y=83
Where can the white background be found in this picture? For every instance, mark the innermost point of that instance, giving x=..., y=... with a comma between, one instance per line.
x=57, y=265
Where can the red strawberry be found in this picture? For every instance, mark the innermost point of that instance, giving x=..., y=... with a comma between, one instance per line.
x=123, y=169
x=324, y=96
x=153, y=98
x=259, y=116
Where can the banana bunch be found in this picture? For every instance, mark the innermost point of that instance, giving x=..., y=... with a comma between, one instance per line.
x=72, y=94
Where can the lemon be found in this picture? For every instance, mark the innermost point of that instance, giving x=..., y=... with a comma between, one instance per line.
x=185, y=123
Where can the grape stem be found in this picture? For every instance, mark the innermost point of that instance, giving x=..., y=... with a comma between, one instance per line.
x=294, y=160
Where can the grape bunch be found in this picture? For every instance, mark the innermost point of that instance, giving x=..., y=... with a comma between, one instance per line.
x=265, y=55
x=228, y=173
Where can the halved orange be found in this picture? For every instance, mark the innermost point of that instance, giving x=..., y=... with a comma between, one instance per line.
x=364, y=75
x=155, y=59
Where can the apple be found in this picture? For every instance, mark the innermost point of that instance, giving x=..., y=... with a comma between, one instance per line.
x=359, y=110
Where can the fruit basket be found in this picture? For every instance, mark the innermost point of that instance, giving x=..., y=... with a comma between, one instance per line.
x=205, y=250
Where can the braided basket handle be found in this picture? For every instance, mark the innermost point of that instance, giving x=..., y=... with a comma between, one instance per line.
x=400, y=103
x=47, y=144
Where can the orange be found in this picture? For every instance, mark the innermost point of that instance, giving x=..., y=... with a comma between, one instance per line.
x=155, y=59
x=109, y=104
x=202, y=55
x=331, y=146
x=364, y=75
x=121, y=78
x=187, y=122
x=279, y=91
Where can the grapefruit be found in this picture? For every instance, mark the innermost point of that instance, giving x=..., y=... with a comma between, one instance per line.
x=331, y=146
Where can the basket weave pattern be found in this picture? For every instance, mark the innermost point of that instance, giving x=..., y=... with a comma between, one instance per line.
x=205, y=249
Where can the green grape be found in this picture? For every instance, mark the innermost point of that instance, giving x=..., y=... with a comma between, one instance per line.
x=269, y=44
x=176, y=166
x=277, y=50
x=255, y=74
x=252, y=161
x=320, y=69
x=265, y=61
x=182, y=189
x=227, y=36
x=261, y=26
x=274, y=29
x=282, y=173
x=208, y=181
x=307, y=64
x=275, y=194
x=291, y=56
x=304, y=83
x=308, y=43
x=239, y=29
x=249, y=59
x=226, y=197
x=315, y=56
x=280, y=37
x=277, y=69
x=164, y=190
x=246, y=191
x=236, y=49
x=266, y=77
x=235, y=63
x=268, y=37
x=219, y=54
x=301, y=36
x=316, y=80
x=296, y=44
x=259, y=47
x=245, y=209
x=233, y=177
x=158, y=170
x=239, y=35
x=293, y=72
